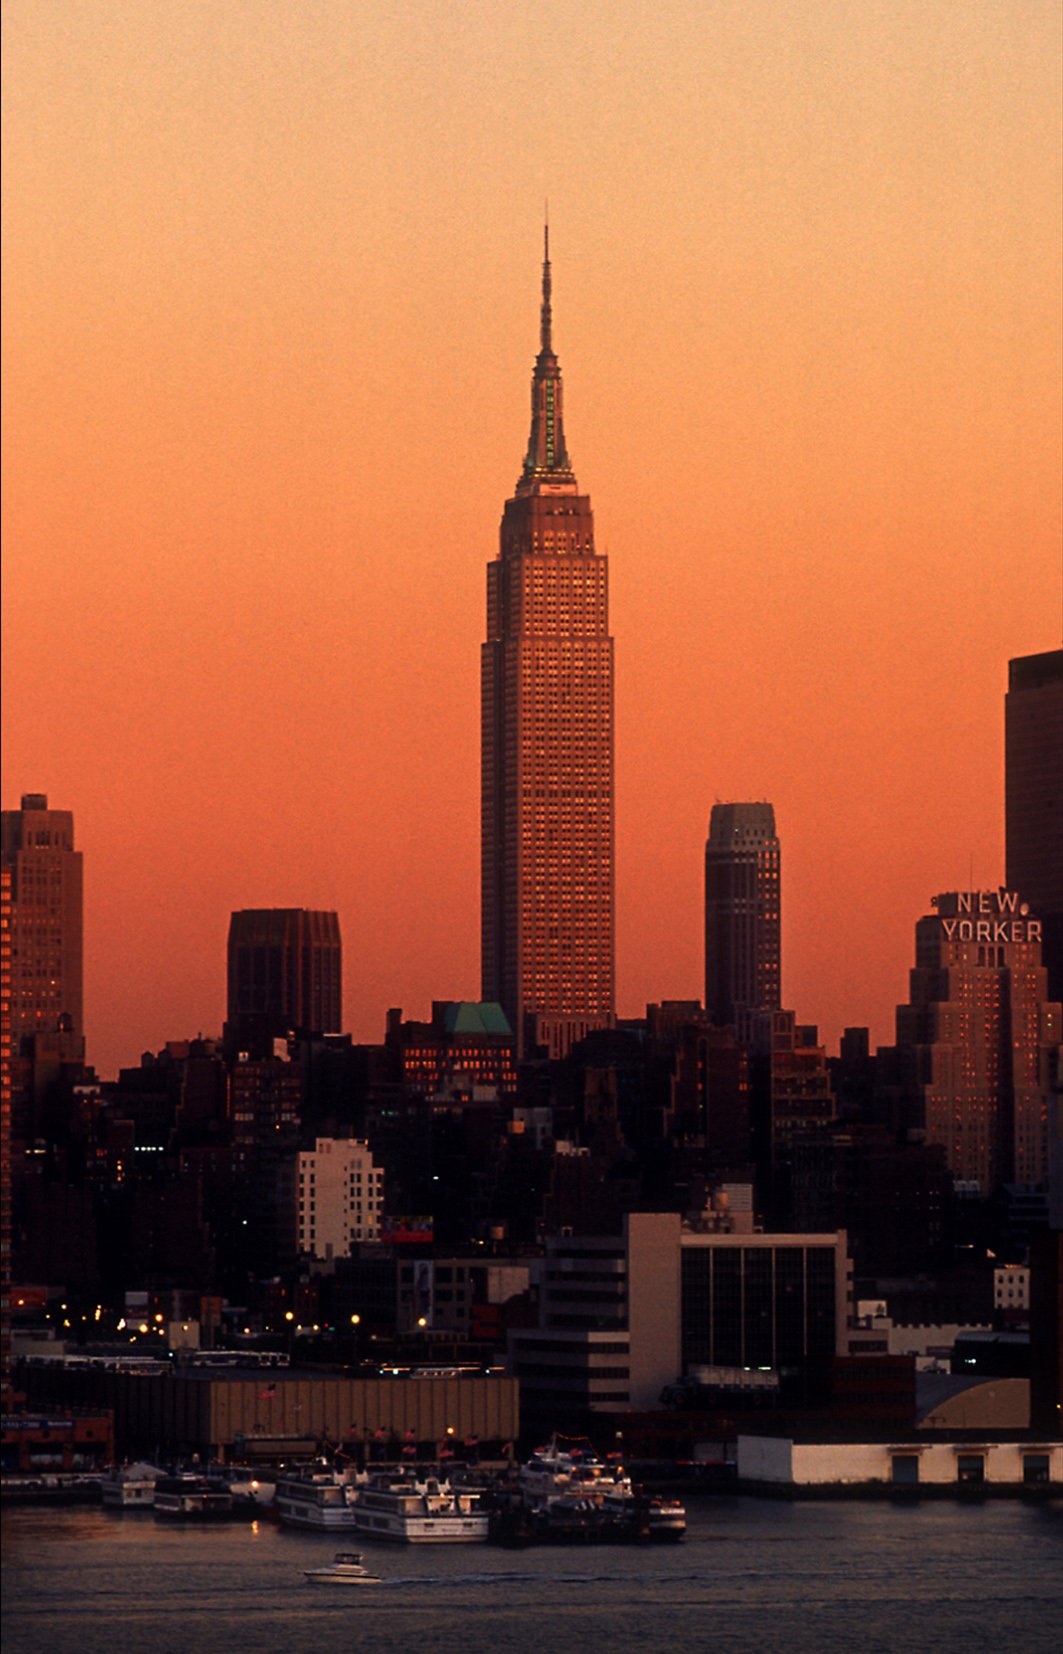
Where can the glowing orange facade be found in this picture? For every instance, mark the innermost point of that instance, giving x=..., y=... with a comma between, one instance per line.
x=547, y=727
x=979, y=1038
x=46, y=918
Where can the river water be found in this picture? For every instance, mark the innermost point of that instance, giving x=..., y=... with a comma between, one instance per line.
x=756, y=1575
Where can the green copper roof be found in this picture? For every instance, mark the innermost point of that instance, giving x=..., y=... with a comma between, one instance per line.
x=469, y=1016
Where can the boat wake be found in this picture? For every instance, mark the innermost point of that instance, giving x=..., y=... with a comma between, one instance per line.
x=517, y=1577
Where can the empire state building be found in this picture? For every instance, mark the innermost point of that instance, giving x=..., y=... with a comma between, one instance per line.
x=547, y=809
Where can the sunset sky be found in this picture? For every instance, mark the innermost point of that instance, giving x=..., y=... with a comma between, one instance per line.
x=271, y=277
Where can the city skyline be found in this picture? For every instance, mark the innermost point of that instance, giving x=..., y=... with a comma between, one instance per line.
x=267, y=338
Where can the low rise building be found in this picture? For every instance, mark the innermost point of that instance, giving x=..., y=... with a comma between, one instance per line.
x=624, y=1316
x=443, y=1293
x=271, y=1412
x=340, y=1196
x=1011, y=1290
x=56, y=1441
x=780, y=1463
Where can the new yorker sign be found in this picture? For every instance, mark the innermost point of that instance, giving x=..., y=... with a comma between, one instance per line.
x=987, y=916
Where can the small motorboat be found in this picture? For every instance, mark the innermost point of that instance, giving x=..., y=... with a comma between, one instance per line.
x=346, y=1568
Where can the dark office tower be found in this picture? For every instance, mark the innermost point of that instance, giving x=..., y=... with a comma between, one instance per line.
x=1033, y=726
x=46, y=918
x=742, y=934
x=285, y=970
x=547, y=814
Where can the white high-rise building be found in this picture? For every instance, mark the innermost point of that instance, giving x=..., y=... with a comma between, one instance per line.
x=341, y=1193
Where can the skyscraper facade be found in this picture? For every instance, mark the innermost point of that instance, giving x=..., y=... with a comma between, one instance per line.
x=978, y=1041
x=1033, y=734
x=37, y=847
x=286, y=969
x=5, y=1137
x=547, y=802
x=742, y=923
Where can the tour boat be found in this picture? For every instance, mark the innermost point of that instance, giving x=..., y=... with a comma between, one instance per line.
x=193, y=1497
x=130, y=1486
x=320, y=1501
x=416, y=1512
x=552, y=1473
x=575, y=1494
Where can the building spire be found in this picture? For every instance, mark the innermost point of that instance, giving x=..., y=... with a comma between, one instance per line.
x=545, y=314
x=546, y=464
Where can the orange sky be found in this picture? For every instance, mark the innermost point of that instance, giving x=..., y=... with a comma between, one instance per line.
x=271, y=279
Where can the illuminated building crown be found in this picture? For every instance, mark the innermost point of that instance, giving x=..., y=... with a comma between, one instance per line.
x=546, y=464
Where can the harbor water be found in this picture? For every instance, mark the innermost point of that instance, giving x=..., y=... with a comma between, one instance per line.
x=751, y=1575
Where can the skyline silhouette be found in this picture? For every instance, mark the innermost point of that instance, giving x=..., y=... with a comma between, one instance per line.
x=271, y=301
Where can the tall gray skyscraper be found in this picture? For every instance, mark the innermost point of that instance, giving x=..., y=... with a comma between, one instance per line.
x=547, y=744
x=742, y=927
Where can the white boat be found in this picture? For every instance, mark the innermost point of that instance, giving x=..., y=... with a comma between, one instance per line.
x=346, y=1569
x=555, y=1474
x=650, y=1516
x=320, y=1501
x=420, y=1512
x=557, y=1485
x=667, y=1518
x=130, y=1486
x=192, y=1496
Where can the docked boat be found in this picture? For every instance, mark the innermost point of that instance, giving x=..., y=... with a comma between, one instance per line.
x=420, y=1512
x=320, y=1501
x=666, y=1519
x=569, y=1519
x=647, y=1515
x=130, y=1486
x=552, y=1473
x=194, y=1498
x=347, y=1569
x=252, y=1495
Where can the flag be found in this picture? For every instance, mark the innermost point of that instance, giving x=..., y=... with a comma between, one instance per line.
x=409, y=1451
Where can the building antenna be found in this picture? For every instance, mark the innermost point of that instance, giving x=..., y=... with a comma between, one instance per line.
x=546, y=313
